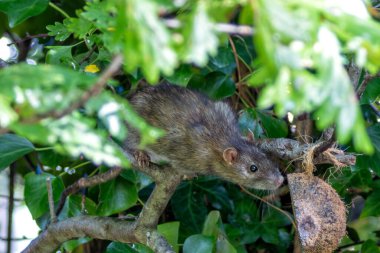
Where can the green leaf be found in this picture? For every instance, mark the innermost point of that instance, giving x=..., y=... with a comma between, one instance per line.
x=211, y=224
x=224, y=246
x=358, y=177
x=372, y=205
x=75, y=135
x=42, y=88
x=189, y=206
x=118, y=247
x=366, y=227
x=59, y=30
x=199, y=36
x=374, y=134
x=116, y=196
x=12, y=147
x=113, y=111
x=372, y=92
x=224, y=61
x=216, y=85
x=35, y=192
x=170, y=231
x=269, y=234
x=80, y=27
x=274, y=127
x=73, y=207
x=20, y=10
x=60, y=55
x=8, y=115
x=198, y=244
x=73, y=244
x=370, y=246
x=181, y=76
x=147, y=42
x=51, y=158
x=248, y=124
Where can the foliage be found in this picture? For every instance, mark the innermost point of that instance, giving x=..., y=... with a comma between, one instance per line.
x=295, y=61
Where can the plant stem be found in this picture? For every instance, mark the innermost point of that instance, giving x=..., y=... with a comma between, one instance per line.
x=55, y=7
x=43, y=149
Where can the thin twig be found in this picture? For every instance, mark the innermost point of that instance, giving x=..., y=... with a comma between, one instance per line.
x=7, y=197
x=95, y=90
x=29, y=37
x=85, y=183
x=365, y=82
x=243, y=30
x=53, y=218
x=12, y=176
x=270, y=204
x=88, y=55
x=14, y=239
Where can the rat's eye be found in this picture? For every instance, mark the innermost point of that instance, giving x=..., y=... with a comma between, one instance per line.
x=253, y=168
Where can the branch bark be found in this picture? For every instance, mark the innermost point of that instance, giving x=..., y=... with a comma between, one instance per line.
x=291, y=150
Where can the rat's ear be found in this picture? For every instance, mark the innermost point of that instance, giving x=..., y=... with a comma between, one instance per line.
x=230, y=155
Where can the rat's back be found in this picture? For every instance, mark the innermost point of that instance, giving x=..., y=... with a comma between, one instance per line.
x=195, y=125
x=170, y=106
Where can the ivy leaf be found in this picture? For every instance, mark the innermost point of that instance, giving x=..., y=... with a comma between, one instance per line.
x=12, y=147
x=73, y=244
x=372, y=205
x=118, y=247
x=116, y=196
x=59, y=30
x=73, y=207
x=198, y=244
x=224, y=61
x=370, y=246
x=274, y=127
x=211, y=224
x=189, y=207
x=216, y=85
x=181, y=76
x=35, y=192
x=170, y=231
x=20, y=10
x=192, y=195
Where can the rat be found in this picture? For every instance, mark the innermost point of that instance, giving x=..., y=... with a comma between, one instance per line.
x=201, y=137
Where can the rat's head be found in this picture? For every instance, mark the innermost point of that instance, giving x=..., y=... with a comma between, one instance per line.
x=250, y=167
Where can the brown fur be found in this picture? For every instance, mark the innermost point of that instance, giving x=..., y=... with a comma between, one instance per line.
x=198, y=131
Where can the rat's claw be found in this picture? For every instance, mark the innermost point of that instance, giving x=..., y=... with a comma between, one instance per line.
x=142, y=158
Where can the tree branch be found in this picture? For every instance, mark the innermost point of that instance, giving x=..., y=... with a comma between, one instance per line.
x=290, y=150
x=105, y=228
x=95, y=90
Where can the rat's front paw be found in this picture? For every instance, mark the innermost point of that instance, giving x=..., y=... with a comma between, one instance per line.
x=142, y=158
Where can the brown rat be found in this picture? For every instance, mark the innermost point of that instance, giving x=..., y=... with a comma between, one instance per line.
x=202, y=137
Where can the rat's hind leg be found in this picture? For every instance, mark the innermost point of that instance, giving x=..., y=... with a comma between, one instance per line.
x=131, y=146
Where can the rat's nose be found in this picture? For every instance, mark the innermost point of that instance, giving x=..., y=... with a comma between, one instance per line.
x=279, y=181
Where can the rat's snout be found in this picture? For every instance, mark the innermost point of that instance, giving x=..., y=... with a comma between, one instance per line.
x=278, y=181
